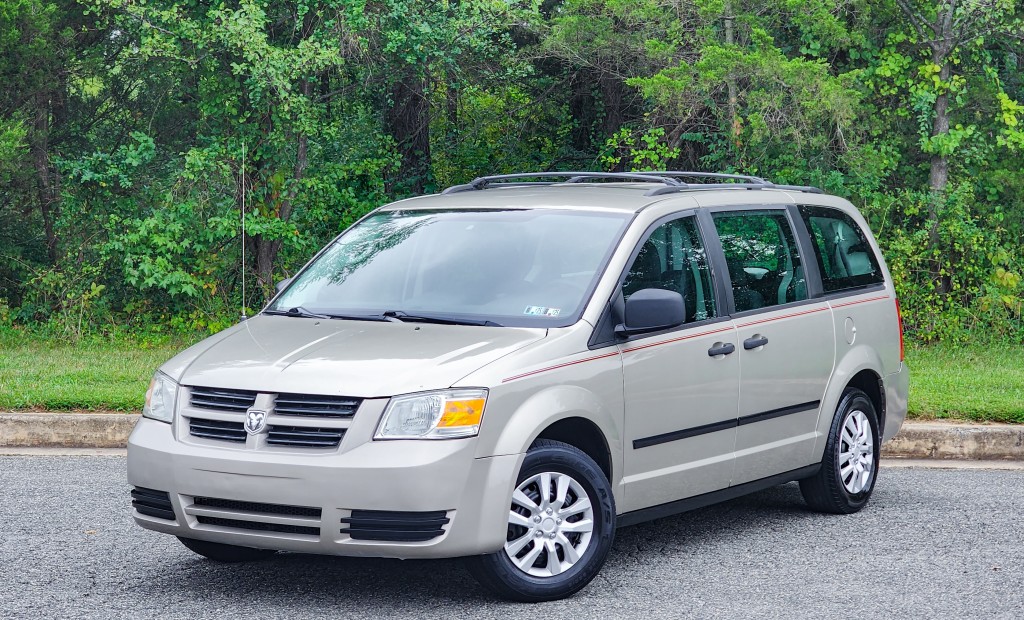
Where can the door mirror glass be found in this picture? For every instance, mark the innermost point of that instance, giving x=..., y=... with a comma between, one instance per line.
x=652, y=309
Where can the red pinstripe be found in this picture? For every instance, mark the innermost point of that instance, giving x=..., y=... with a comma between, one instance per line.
x=861, y=301
x=687, y=337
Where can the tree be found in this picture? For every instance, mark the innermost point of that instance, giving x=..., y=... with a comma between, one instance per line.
x=944, y=28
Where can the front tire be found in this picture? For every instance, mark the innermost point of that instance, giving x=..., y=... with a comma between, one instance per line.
x=560, y=528
x=219, y=552
x=849, y=466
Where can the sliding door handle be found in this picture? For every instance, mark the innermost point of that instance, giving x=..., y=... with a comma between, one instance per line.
x=755, y=341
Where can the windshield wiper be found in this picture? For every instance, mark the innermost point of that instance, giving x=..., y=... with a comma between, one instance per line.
x=401, y=315
x=299, y=311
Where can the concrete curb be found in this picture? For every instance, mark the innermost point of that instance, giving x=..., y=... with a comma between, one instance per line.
x=66, y=430
x=976, y=442
x=916, y=440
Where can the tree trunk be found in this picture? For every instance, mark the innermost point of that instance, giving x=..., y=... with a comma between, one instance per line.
x=408, y=119
x=938, y=177
x=48, y=188
x=730, y=79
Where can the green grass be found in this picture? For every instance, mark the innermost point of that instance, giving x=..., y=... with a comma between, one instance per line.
x=49, y=375
x=967, y=382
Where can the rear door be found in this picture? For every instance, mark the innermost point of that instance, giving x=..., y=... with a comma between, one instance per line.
x=785, y=342
x=680, y=385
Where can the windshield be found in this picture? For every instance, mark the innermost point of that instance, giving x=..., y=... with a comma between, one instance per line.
x=530, y=267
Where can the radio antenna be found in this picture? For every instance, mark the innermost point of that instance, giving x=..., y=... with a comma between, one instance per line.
x=244, y=317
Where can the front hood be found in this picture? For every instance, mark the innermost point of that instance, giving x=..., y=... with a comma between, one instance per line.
x=363, y=359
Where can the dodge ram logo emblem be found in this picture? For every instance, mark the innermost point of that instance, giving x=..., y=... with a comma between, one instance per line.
x=255, y=421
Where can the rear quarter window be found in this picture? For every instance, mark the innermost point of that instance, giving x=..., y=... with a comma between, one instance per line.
x=844, y=255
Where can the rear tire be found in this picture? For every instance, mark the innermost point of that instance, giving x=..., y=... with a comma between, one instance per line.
x=231, y=554
x=849, y=466
x=561, y=528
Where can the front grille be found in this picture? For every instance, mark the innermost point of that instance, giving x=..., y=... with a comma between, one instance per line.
x=217, y=429
x=152, y=503
x=261, y=527
x=394, y=526
x=221, y=400
x=274, y=509
x=317, y=406
x=305, y=437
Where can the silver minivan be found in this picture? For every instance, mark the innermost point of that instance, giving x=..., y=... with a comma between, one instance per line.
x=510, y=370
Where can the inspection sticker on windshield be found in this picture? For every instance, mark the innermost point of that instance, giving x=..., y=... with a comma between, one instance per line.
x=542, y=311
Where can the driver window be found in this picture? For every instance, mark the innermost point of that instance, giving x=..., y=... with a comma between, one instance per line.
x=672, y=258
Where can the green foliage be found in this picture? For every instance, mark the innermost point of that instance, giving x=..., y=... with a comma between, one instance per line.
x=133, y=135
x=981, y=265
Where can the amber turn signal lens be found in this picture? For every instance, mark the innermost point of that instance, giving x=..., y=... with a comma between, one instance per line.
x=462, y=412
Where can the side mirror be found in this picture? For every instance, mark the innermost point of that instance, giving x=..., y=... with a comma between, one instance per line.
x=280, y=286
x=651, y=310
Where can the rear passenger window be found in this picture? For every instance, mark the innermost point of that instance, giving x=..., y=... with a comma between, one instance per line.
x=673, y=259
x=764, y=262
x=844, y=256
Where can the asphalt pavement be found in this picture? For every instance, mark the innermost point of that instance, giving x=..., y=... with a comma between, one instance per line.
x=933, y=543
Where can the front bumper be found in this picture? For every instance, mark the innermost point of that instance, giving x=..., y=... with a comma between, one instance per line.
x=414, y=476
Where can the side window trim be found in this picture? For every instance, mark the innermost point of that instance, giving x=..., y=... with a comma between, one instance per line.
x=604, y=335
x=812, y=272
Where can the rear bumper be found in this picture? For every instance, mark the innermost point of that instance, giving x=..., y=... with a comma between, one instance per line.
x=396, y=476
x=897, y=390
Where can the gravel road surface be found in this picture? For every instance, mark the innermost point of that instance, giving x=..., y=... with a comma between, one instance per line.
x=931, y=544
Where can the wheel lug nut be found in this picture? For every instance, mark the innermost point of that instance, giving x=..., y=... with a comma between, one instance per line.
x=549, y=511
x=536, y=519
x=558, y=521
x=552, y=535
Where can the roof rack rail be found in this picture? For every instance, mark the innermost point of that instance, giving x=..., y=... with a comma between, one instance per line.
x=708, y=175
x=742, y=181
x=569, y=177
x=668, y=179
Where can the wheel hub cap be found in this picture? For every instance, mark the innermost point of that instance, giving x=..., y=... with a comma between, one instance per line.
x=550, y=524
x=856, y=453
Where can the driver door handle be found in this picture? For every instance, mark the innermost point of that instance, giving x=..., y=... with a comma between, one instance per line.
x=721, y=349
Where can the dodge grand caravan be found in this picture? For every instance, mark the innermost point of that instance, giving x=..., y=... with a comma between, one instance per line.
x=511, y=369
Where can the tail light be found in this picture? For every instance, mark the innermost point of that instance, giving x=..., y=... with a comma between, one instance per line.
x=899, y=320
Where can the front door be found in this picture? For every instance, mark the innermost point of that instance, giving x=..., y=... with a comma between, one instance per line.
x=681, y=386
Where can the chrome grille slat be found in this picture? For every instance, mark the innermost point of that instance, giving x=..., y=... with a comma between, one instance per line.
x=316, y=405
x=217, y=429
x=305, y=437
x=221, y=399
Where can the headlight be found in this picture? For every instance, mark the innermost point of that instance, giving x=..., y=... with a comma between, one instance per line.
x=160, y=398
x=433, y=415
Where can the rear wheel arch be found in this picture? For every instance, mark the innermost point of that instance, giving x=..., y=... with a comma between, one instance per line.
x=858, y=367
x=870, y=382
